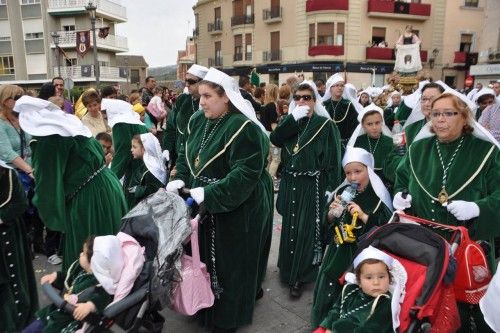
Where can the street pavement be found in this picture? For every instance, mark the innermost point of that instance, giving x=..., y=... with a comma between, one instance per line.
x=275, y=312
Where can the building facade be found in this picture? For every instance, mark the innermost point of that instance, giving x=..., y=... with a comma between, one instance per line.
x=136, y=70
x=28, y=53
x=320, y=37
x=185, y=58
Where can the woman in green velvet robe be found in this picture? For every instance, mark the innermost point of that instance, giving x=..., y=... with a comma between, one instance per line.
x=75, y=192
x=373, y=206
x=310, y=154
x=468, y=192
x=17, y=279
x=223, y=162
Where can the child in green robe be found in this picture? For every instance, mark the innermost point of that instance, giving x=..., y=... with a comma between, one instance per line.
x=365, y=304
x=152, y=172
x=100, y=266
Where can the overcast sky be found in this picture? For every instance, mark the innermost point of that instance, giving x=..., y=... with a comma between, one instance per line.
x=157, y=29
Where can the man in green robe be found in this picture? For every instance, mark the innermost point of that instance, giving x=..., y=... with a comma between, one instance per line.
x=17, y=279
x=310, y=156
x=185, y=105
x=223, y=162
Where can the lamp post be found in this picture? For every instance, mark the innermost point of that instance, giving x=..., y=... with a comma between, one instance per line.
x=91, y=9
x=55, y=36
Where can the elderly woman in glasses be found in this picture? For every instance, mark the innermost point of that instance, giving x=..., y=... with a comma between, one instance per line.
x=223, y=161
x=451, y=172
x=310, y=153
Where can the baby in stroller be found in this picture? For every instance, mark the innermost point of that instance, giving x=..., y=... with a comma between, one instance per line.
x=365, y=303
x=89, y=284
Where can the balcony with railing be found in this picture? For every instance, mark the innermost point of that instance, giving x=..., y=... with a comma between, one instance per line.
x=238, y=57
x=326, y=49
x=399, y=10
x=271, y=56
x=105, y=8
x=215, y=28
x=272, y=15
x=67, y=39
x=318, y=5
x=86, y=73
x=248, y=56
x=215, y=62
x=242, y=20
x=387, y=54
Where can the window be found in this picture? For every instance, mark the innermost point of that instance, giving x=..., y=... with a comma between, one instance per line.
x=248, y=46
x=238, y=47
x=29, y=2
x=103, y=63
x=471, y=3
x=4, y=38
x=465, y=42
x=3, y=2
x=70, y=62
x=339, y=37
x=325, y=33
x=134, y=76
x=7, y=65
x=68, y=27
x=378, y=35
x=312, y=34
x=33, y=35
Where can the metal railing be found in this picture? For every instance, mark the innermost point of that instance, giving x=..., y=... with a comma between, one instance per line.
x=215, y=26
x=68, y=38
x=215, y=62
x=238, y=57
x=272, y=13
x=108, y=6
x=242, y=19
x=273, y=55
x=77, y=72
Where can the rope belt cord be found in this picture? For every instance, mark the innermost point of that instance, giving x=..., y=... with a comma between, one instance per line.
x=92, y=176
x=216, y=288
x=317, y=257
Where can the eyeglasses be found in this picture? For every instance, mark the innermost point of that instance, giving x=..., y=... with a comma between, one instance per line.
x=304, y=97
x=191, y=81
x=428, y=99
x=446, y=114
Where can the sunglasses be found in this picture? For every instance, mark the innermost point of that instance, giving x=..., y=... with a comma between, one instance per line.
x=191, y=81
x=304, y=97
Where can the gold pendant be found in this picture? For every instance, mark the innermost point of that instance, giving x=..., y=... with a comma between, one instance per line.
x=443, y=196
x=197, y=161
x=296, y=148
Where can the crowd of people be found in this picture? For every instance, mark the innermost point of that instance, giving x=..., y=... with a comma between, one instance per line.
x=69, y=173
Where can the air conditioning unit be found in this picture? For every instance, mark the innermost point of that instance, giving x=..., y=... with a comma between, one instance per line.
x=497, y=56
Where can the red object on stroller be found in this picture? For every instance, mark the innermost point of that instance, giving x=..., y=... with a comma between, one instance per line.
x=429, y=303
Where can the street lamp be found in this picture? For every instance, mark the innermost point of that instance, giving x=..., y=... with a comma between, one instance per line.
x=55, y=36
x=91, y=8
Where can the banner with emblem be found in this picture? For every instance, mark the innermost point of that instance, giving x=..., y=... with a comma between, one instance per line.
x=82, y=42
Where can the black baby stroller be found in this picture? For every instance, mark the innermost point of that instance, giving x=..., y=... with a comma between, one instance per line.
x=160, y=223
x=429, y=304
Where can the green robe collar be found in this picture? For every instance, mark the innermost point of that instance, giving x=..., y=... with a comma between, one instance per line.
x=317, y=123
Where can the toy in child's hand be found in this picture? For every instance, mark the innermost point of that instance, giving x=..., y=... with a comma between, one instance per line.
x=345, y=234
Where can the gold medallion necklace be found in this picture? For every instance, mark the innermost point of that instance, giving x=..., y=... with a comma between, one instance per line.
x=443, y=195
x=297, y=146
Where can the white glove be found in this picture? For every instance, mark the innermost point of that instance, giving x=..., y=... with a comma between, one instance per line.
x=175, y=185
x=198, y=194
x=300, y=112
x=329, y=196
x=463, y=210
x=401, y=203
x=166, y=155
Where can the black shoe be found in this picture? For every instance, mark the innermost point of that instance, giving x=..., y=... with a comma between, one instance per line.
x=296, y=290
x=260, y=294
x=223, y=330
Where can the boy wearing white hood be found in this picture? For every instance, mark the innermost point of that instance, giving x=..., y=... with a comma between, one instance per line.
x=100, y=265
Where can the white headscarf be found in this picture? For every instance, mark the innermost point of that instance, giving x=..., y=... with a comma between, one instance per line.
x=332, y=80
x=479, y=131
x=394, y=93
x=399, y=278
x=412, y=99
x=119, y=111
x=416, y=112
x=153, y=157
x=318, y=107
x=107, y=262
x=360, y=130
x=489, y=302
x=350, y=93
x=198, y=71
x=472, y=93
x=233, y=93
x=355, y=154
x=39, y=117
x=482, y=92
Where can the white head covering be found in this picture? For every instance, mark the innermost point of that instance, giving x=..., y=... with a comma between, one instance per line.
x=399, y=278
x=360, y=130
x=471, y=93
x=198, y=71
x=412, y=99
x=318, y=107
x=107, y=262
x=42, y=118
x=482, y=92
x=394, y=93
x=479, y=131
x=332, y=80
x=355, y=154
x=416, y=112
x=233, y=93
x=153, y=157
x=119, y=111
x=365, y=91
x=489, y=302
x=350, y=93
